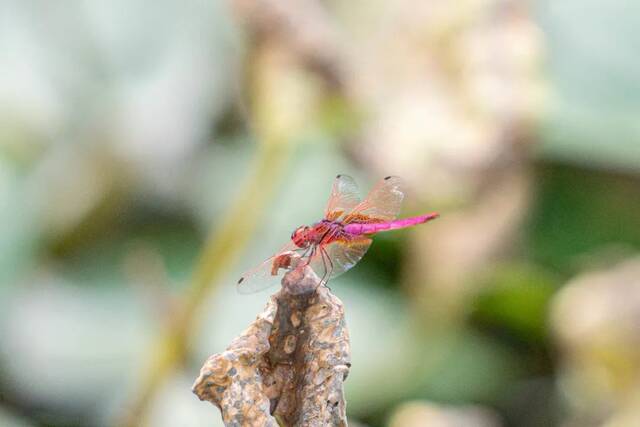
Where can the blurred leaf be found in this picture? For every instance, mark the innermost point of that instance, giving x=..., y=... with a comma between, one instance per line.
x=69, y=350
x=516, y=300
x=452, y=366
x=383, y=259
x=9, y=420
x=579, y=211
x=19, y=229
x=593, y=66
x=174, y=239
x=173, y=407
x=338, y=117
x=472, y=369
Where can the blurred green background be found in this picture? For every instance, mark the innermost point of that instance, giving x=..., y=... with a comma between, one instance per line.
x=152, y=151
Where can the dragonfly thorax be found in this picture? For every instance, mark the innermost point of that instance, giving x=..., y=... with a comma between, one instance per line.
x=305, y=236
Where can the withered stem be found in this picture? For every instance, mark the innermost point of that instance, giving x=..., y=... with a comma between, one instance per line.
x=288, y=365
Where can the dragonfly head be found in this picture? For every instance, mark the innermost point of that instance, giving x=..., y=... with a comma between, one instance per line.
x=300, y=236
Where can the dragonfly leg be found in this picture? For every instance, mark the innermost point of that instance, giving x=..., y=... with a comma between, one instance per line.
x=305, y=255
x=310, y=257
x=329, y=270
x=324, y=265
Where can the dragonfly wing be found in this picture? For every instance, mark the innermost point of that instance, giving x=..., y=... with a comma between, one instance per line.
x=344, y=197
x=259, y=278
x=382, y=203
x=268, y=273
x=333, y=259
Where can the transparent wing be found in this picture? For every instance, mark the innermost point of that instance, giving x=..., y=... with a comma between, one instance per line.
x=344, y=197
x=268, y=273
x=333, y=259
x=382, y=203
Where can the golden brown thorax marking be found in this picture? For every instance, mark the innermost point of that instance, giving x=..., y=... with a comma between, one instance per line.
x=358, y=217
x=332, y=216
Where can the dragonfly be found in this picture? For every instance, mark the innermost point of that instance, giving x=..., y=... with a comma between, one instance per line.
x=338, y=242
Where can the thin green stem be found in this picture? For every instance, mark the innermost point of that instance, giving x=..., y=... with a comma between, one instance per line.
x=221, y=250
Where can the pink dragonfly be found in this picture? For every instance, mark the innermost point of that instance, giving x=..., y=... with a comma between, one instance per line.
x=337, y=242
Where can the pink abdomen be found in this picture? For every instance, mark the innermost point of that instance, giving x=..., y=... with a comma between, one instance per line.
x=390, y=225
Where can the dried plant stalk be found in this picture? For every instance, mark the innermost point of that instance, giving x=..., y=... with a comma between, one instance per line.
x=288, y=367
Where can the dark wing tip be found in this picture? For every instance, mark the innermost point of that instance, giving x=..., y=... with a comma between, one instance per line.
x=386, y=178
x=338, y=176
x=240, y=280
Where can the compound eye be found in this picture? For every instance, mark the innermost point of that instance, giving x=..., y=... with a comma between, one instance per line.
x=296, y=232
